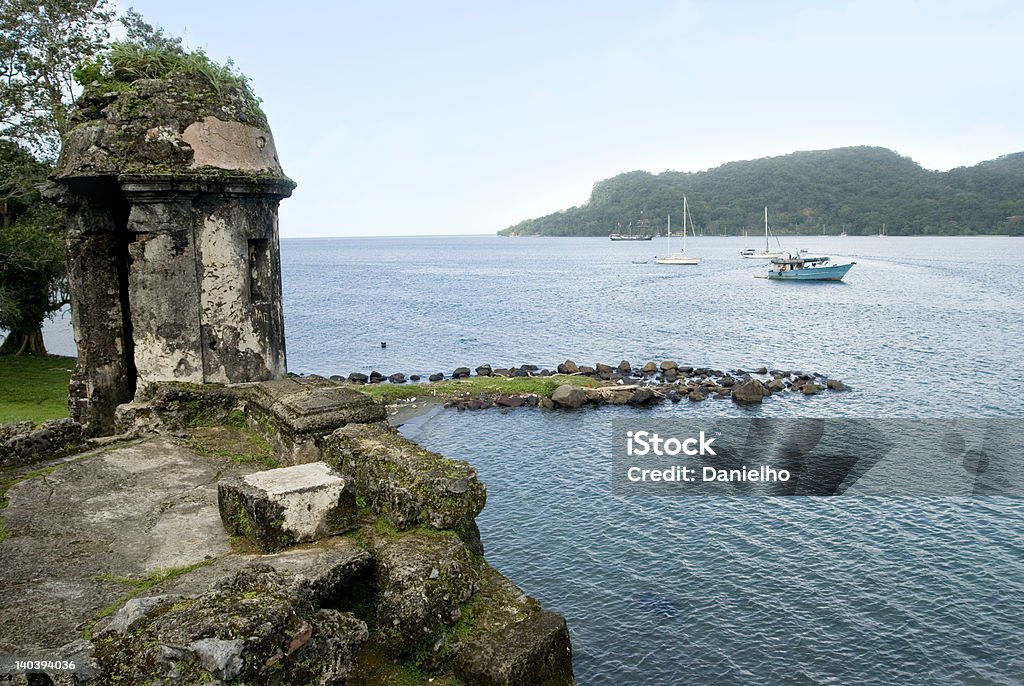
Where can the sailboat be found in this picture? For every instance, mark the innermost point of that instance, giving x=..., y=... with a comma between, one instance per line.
x=681, y=257
x=767, y=253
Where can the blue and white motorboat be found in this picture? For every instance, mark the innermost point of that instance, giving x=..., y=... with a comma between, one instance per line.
x=805, y=268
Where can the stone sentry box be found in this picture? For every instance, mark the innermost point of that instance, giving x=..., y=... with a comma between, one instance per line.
x=172, y=192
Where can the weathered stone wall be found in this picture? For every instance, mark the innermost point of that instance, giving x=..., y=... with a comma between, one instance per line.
x=172, y=188
x=23, y=443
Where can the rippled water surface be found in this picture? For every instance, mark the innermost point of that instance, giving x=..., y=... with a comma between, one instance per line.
x=709, y=590
x=920, y=326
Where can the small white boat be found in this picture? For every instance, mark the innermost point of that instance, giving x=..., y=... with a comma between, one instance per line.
x=680, y=257
x=767, y=253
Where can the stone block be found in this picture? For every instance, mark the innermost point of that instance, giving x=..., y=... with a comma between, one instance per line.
x=295, y=415
x=280, y=507
x=536, y=650
x=424, y=580
x=407, y=485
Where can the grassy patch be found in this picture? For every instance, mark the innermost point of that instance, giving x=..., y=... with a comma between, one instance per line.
x=34, y=388
x=138, y=587
x=524, y=385
x=238, y=444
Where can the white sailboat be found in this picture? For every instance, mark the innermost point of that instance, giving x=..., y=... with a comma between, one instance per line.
x=767, y=253
x=681, y=257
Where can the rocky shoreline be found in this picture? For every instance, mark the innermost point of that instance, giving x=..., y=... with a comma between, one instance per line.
x=622, y=384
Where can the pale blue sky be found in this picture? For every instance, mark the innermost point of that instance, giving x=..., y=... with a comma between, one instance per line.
x=401, y=118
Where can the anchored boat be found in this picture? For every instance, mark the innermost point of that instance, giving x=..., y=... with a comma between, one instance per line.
x=680, y=257
x=767, y=253
x=803, y=268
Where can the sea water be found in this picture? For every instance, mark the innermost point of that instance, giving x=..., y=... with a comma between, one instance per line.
x=708, y=590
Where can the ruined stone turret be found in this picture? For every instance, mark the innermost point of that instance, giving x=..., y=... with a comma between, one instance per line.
x=172, y=188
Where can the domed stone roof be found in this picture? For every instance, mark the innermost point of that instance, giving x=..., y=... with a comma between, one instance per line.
x=181, y=125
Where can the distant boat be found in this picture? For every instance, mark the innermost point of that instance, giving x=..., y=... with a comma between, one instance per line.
x=881, y=234
x=767, y=253
x=803, y=268
x=681, y=257
x=643, y=236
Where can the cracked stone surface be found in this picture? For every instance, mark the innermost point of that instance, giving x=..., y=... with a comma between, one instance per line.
x=125, y=511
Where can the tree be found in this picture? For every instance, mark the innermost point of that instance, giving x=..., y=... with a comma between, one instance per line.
x=41, y=44
x=31, y=252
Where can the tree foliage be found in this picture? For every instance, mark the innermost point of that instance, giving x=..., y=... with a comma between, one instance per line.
x=853, y=189
x=31, y=252
x=41, y=42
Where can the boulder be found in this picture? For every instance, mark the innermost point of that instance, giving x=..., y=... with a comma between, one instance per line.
x=276, y=508
x=761, y=370
x=568, y=367
x=376, y=377
x=836, y=385
x=624, y=367
x=397, y=378
x=642, y=396
x=776, y=385
x=668, y=364
x=510, y=400
x=749, y=392
x=587, y=371
x=649, y=368
x=603, y=368
x=423, y=582
x=536, y=650
x=414, y=377
x=568, y=395
x=670, y=374
x=810, y=389
x=483, y=370
x=696, y=396
x=436, y=377
x=461, y=373
x=546, y=404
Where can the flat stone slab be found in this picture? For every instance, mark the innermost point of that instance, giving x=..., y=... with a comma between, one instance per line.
x=281, y=507
x=306, y=406
x=121, y=512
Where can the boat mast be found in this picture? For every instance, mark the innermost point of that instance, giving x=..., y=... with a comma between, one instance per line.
x=766, y=228
x=686, y=213
x=669, y=225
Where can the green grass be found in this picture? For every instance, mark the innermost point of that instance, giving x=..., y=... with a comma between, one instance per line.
x=34, y=388
x=523, y=385
x=138, y=586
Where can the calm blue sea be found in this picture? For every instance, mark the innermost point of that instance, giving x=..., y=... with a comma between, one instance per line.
x=709, y=590
x=723, y=590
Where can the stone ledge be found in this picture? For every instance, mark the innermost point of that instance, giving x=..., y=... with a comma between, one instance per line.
x=407, y=485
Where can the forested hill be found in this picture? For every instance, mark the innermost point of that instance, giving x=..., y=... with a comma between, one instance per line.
x=856, y=189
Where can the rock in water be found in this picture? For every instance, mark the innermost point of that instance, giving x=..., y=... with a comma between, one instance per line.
x=567, y=395
x=752, y=391
x=568, y=367
x=836, y=385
